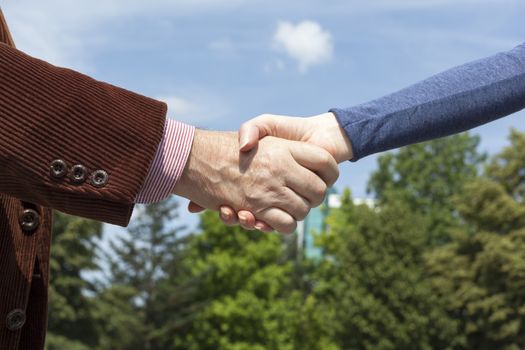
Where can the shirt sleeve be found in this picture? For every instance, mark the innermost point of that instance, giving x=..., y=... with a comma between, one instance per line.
x=169, y=162
x=450, y=102
x=72, y=143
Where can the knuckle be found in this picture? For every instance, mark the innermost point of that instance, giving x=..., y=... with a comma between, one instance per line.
x=280, y=196
x=320, y=191
x=303, y=213
x=317, y=202
x=319, y=194
x=335, y=174
x=255, y=202
x=265, y=117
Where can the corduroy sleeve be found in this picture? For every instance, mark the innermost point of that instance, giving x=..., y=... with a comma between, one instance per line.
x=72, y=143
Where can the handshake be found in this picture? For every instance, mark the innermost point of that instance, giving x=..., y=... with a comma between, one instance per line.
x=269, y=175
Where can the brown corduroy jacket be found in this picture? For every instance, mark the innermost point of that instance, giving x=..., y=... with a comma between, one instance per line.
x=52, y=119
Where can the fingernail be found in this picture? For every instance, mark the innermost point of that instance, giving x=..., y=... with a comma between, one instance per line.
x=225, y=216
x=243, y=142
x=260, y=227
x=242, y=217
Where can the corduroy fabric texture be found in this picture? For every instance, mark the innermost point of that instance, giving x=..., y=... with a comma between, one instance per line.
x=53, y=113
x=49, y=113
x=19, y=252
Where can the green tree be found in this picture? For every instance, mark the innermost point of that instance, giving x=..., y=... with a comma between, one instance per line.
x=127, y=312
x=372, y=283
x=372, y=288
x=426, y=177
x=507, y=167
x=73, y=253
x=244, y=290
x=482, y=271
x=120, y=323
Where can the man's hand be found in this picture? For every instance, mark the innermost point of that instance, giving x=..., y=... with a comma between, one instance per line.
x=277, y=180
x=321, y=130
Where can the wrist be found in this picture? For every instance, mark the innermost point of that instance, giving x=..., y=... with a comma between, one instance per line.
x=208, y=161
x=190, y=173
x=334, y=132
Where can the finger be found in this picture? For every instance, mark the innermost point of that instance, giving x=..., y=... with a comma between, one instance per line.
x=277, y=218
x=307, y=184
x=194, y=207
x=317, y=160
x=258, y=225
x=266, y=125
x=294, y=204
x=227, y=215
x=262, y=226
x=246, y=220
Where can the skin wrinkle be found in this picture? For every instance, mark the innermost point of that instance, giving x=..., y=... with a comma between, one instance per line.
x=255, y=181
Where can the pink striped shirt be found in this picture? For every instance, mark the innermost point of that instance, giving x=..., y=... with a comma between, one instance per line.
x=169, y=162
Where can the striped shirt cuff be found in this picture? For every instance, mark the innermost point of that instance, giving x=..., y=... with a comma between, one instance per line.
x=169, y=162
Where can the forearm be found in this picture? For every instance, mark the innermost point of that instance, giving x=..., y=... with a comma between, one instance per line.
x=52, y=114
x=450, y=102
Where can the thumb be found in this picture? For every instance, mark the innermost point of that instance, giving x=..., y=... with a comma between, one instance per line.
x=291, y=128
x=194, y=208
x=248, y=136
x=253, y=130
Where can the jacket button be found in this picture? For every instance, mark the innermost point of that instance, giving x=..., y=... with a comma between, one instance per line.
x=58, y=168
x=15, y=320
x=29, y=220
x=78, y=173
x=99, y=178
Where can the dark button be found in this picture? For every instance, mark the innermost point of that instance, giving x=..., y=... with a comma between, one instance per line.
x=29, y=220
x=99, y=178
x=78, y=173
x=58, y=168
x=15, y=320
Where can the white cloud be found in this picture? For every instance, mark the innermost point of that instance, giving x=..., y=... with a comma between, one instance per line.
x=307, y=43
x=65, y=32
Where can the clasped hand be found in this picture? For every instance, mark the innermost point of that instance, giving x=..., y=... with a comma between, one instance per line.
x=268, y=176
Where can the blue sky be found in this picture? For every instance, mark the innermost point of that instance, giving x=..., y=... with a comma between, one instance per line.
x=221, y=62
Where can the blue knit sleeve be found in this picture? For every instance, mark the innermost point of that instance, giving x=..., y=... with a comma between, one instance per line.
x=450, y=102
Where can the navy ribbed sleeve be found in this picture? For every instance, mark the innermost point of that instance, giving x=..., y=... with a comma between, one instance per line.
x=447, y=103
